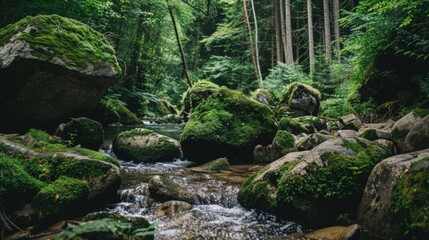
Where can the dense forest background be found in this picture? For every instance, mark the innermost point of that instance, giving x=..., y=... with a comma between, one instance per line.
x=369, y=56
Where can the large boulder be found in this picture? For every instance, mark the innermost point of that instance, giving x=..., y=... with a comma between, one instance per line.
x=314, y=187
x=143, y=145
x=403, y=126
x=83, y=131
x=395, y=202
x=162, y=189
x=418, y=137
x=227, y=124
x=299, y=100
x=51, y=67
x=283, y=143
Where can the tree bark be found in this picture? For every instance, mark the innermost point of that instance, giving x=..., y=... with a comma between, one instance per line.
x=283, y=27
x=337, y=28
x=328, y=51
x=249, y=29
x=289, y=46
x=179, y=43
x=258, y=66
x=277, y=30
x=310, y=35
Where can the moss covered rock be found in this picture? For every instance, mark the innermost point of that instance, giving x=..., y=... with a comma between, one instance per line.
x=227, y=124
x=83, y=131
x=283, y=143
x=299, y=100
x=17, y=187
x=395, y=202
x=162, y=189
x=195, y=95
x=292, y=125
x=314, y=187
x=263, y=96
x=142, y=145
x=120, y=112
x=51, y=67
x=403, y=126
x=213, y=166
x=311, y=141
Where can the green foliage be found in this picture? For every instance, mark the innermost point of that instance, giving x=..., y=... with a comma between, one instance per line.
x=107, y=228
x=411, y=201
x=61, y=197
x=282, y=75
x=41, y=136
x=17, y=187
x=73, y=42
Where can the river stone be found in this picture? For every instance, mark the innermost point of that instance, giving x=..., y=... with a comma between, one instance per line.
x=346, y=134
x=350, y=121
x=283, y=143
x=262, y=154
x=374, y=134
x=142, y=145
x=384, y=210
x=418, y=137
x=84, y=132
x=314, y=187
x=49, y=75
x=163, y=189
x=172, y=208
x=331, y=233
x=311, y=141
x=227, y=124
x=214, y=166
x=299, y=100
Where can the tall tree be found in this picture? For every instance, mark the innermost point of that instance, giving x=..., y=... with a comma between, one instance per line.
x=283, y=26
x=337, y=28
x=277, y=30
x=327, y=24
x=289, y=46
x=249, y=30
x=310, y=35
x=258, y=66
x=179, y=43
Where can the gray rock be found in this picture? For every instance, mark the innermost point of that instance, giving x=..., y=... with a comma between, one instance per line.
x=375, y=210
x=84, y=132
x=311, y=141
x=261, y=154
x=346, y=134
x=402, y=127
x=418, y=137
x=351, y=122
x=163, y=189
x=172, y=208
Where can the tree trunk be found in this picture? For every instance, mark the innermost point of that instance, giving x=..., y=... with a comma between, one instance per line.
x=249, y=29
x=289, y=46
x=337, y=28
x=194, y=67
x=258, y=66
x=328, y=51
x=310, y=35
x=131, y=76
x=179, y=43
x=283, y=27
x=277, y=30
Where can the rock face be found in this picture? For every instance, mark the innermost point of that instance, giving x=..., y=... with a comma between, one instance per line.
x=314, y=187
x=227, y=124
x=142, y=145
x=83, y=131
x=395, y=202
x=51, y=67
x=299, y=100
x=49, y=181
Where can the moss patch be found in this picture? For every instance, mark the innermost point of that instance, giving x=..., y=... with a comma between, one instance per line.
x=292, y=126
x=73, y=42
x=81, y=169
x=227, y=124
x=370, y=134
x=411, y=201
x=284, y=140
x=95, y=155
x=290, y=89
x=17, y=187
x=83, y=131
x=136, y=132
x=61, y=197
x=199, y=92
x=419, y=112
x=120, y=111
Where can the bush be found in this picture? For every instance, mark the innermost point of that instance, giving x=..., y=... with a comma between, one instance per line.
x=282, y=75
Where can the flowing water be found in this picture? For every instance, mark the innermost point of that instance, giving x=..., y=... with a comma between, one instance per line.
x=217, y=214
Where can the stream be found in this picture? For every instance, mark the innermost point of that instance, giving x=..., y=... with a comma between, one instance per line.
x=217, y=215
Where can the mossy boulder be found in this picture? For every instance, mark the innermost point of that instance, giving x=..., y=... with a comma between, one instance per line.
x=227, y=124
x=395, y=202
x=292, y=125
x=312, y=123
x=200, y=91
x=84, y=132
x=120, y=112
x=51, y=67
x=299, y=99
x=214, y=166
x=17, y=187
x=62, y=198
x=283, y=143
x=143, y=145
x=311, y=141
x=314, y=187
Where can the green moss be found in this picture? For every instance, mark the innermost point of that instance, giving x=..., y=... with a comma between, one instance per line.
x=419, y=112
x=135, y=132
x=410, y=203
x=95, y=155
x=318, y=123
x=199, y=92
x=120, y=111
x=38, y=168
x=83, y=131
x=259, y=195
x=216, y=165
x=292, y=126
x=17, y=187
x=47, y=148
x=61, y=197
x=81, y=169
x=290, y=89
x=340, y=177
x=370, y=134
x=73, y=42
x=284, y=140
x=229, y=121
x=41, y=136
x=263, y=96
